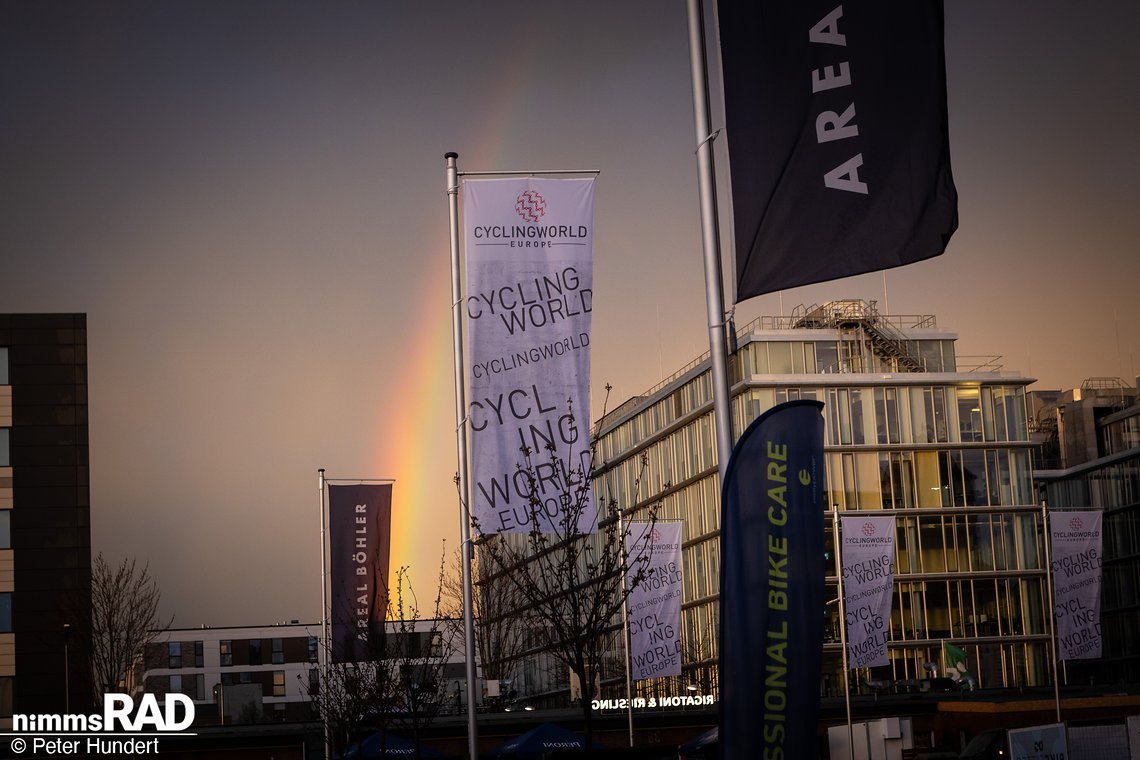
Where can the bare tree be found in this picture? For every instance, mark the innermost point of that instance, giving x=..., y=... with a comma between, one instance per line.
x=499, y=629
x=569, y=579
x=351, y=696
x=401, y=685
x=124, y=619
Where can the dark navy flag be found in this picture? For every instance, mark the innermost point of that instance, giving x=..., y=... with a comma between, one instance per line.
x=772, y=568
x=838, y=141
x=360, y=519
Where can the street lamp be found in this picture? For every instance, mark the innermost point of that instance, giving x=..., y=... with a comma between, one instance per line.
x=220, y=693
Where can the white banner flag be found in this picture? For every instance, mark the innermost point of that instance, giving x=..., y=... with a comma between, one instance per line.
x=1075, y=546
x=868, y=562
x=1038, y=742
x=529, y=248
x=655, y=603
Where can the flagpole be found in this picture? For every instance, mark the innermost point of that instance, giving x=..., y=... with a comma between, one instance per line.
x=842, y=626
x=1052, y=616
x=323, y=652
x=468, y=548
x=710, y=238
x=625, y=625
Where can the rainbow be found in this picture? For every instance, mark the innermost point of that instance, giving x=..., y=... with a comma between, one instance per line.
x=416, y=443
x=419, y=448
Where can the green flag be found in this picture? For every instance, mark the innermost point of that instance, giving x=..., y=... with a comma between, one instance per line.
x=955, y=660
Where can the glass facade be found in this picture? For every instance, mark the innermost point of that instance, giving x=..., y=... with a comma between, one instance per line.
x=1111, y=484
x=947, y=452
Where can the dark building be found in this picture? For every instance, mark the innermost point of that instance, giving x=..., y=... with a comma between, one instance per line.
x=45, y=525
x=1093, y=435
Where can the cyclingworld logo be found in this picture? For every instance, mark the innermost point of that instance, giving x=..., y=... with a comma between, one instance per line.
x=122, y=729
x=531, y=206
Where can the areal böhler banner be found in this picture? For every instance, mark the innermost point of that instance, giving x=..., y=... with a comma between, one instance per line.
x=360, y=518
x=529, y=251
x=868, y=562
x=1075, y=552
x=655, y=602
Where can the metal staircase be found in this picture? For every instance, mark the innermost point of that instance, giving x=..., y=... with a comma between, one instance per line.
x=886, y=340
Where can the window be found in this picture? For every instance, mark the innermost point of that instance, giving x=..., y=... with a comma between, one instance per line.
x=5, y=681
x=4, y=381
x=255, y=651
x=198, y=654
x=826, y=356
x=278, y=651
x=174, y=654
x=175, y=686
x=780, y=358
x=887, y=415
x=226, y=651
x=313, y=656
x=6, y=612
x=5, y=529
x=4, y=455
x=314, y=681
x=279, y=683
x=970, y=414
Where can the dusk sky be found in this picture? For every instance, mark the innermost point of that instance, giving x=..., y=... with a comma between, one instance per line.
x=247, y=198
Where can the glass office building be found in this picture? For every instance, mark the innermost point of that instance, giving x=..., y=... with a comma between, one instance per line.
x=913, y=429
x=1104, y=474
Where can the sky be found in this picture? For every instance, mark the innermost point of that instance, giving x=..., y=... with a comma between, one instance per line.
x=248, y=201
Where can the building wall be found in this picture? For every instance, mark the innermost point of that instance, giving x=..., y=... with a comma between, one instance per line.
x=198, y=661
x=45, y=562
x=907, y=431
x=280, y=659
x=1109, y=481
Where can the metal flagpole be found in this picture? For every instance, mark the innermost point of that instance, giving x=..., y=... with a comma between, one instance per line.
x=461, y=440
x=323, y=652
x=625, y=626
x=842, y=626
x=1052, y=606
x=710, y=237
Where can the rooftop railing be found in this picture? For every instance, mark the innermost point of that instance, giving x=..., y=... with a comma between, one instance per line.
x=814, y=317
